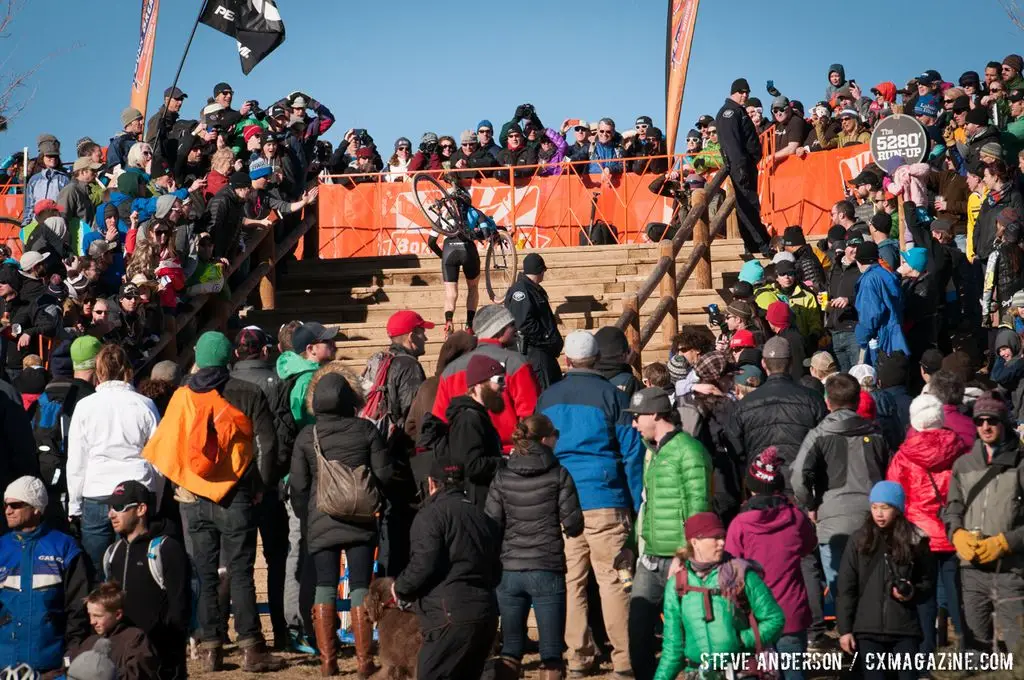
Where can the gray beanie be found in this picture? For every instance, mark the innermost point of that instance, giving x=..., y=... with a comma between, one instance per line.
x=94, y=664
x=491, y=320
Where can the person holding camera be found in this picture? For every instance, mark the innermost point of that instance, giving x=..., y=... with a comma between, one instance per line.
x=426, y=158
x=884, y=572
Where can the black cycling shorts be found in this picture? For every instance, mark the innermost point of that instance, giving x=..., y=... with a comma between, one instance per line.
x=459, y=254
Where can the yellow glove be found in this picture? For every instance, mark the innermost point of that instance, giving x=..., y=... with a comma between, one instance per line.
x=966, y=544
x=992, y=548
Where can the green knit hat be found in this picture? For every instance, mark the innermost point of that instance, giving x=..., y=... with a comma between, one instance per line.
x=213, y=349
x=84, y=351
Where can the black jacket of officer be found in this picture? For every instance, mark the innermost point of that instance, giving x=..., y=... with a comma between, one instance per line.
x=528, y=303
x=737, y=135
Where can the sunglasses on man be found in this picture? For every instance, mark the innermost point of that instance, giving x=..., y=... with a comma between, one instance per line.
x=121, y=507
x=986, y=420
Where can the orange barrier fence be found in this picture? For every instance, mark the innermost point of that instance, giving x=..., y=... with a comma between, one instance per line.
x=12, y=206
x=383, y=218
x=802, y=191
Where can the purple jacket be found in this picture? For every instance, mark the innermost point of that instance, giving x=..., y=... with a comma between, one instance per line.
x=774, y=533
x=561, y=147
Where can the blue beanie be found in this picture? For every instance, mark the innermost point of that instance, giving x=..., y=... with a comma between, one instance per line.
x=927, y=106
x=485, y=123
x=260, y=168
x=917, y=258
x=890, y=493
x=752, y=272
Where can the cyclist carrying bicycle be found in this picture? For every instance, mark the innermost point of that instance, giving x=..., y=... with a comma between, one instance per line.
x=460, y=252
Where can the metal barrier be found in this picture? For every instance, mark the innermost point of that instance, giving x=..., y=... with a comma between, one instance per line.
x=667, y=280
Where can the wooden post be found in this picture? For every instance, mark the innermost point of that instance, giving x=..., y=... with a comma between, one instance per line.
x=670, y=324
x=632, y=303
x=732, y=222
x=902, y=222
x=702, y=236
x=268, y=284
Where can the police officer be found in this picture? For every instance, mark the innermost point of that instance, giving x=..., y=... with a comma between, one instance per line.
x=742, y=151
x=539, y=338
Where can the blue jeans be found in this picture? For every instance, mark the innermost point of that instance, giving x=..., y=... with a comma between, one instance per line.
x=645, y=606
x=946, y=594
x=831, y=557
x=789, y=644
x=846, y=349
x=97, y=532
x=546, y=590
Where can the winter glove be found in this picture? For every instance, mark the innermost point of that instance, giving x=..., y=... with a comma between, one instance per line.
x=992, y=548
x=966, y=544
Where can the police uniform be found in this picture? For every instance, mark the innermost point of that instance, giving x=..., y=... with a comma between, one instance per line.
x=540, y=340
x=742, y=150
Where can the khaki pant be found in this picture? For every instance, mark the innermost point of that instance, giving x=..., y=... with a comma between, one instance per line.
x=604, y=534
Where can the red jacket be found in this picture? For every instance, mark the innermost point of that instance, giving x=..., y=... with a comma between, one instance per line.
x=931, y=452
x=959, y=423
x=521, y=387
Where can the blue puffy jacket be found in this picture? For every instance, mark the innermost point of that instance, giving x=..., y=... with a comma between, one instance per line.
x=597, y=443
x=42, y=585
x=879, y=305
x=45, y=184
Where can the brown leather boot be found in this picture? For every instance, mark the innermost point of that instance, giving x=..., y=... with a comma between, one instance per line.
x=211, y=659
x=325, y=621
x=257, y=659
x=362, y=631
x=506, y=668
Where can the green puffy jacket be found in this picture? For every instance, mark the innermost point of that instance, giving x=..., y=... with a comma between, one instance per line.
x=290, y=364
x=677, y=485
x=687, y=635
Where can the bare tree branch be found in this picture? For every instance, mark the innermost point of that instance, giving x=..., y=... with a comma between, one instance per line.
x=1014, y=11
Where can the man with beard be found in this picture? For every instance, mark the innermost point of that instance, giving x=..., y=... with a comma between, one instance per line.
x=473, y=442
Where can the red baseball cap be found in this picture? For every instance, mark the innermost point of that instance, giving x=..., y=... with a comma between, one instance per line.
x=742, y=339
x=406, y=321
x=46, y=204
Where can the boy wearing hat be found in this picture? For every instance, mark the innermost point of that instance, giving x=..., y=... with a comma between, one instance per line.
x=44, y=622
x=811, y=272
x=677, y=485
x=605, y=457
x=539, y=337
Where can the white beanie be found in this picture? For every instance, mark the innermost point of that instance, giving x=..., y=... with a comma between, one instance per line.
x=926, y=413
x=29, y=490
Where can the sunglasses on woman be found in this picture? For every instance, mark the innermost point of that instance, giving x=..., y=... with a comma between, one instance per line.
x=447, y=146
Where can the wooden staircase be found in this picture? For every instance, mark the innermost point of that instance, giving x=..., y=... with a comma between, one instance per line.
x=585, y=285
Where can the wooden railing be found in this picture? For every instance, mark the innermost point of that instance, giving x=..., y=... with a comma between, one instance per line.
x=265, y=255
x=698, y=227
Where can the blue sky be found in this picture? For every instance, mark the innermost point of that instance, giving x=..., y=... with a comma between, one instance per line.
x=407, y=66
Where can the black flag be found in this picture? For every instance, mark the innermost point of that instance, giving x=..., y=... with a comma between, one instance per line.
x=255, y=24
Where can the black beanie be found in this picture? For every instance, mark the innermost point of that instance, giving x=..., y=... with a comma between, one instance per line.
x=893, y=369
x=740, y=85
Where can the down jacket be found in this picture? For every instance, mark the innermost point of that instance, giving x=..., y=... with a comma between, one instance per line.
x=344, y=438
x=778, y=413
x=879, y=305
x=677, y=485
x=533, y=499
x=839, y=462
x=808, y=268
x=688, y=634
x=923, y=466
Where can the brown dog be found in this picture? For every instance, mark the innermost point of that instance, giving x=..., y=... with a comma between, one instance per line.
x=398, y=633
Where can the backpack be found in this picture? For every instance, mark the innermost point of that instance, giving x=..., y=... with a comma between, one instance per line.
x=600, y=233
x=50, y=427
x=217, y=429
x=378, y=407
x=153, y=558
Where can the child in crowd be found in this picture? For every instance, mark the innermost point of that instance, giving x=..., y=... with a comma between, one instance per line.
x=130, y=649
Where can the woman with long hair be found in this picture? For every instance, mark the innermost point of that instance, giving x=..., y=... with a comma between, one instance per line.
x=398, y=164
x=713, y=602
x=105, y=440
x=335, y=397
x=446, y=148
x=533, y=499
x=886, y=570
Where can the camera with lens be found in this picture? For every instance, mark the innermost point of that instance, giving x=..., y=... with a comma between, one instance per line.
x=716, y=318
x=524, y=111
x=322, y=153
x=904, y=587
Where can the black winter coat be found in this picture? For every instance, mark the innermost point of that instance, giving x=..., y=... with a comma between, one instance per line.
x=842, y=283
x=741, y=147
x=475, y=444
x=528, y=303
x=262, y=374
x=991, y=207
x=223, y=220
x=480, y=158
x=454, y=564
x=344, y=438
x=865, y=605
x=532, y=499
x=808, y=268
x=523, y=155
x=778, y=413
x=405, y=375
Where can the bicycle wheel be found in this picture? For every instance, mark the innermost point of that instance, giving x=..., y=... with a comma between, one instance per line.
x=438, y=206
x=500, y=265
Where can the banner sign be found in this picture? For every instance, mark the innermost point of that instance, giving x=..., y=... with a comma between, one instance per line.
x=255, y=24
x=682, y=19
x=144, y=56
x=898, y=136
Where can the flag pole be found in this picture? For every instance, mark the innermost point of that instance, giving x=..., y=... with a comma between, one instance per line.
x=181, y=64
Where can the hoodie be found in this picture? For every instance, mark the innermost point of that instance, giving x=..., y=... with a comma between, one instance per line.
x=297, y=371
x=923, y=466
x=830, y=89
x=769, y=530
x=474, y=443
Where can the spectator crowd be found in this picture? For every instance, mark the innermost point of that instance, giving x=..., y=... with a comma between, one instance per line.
x=844, y=437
